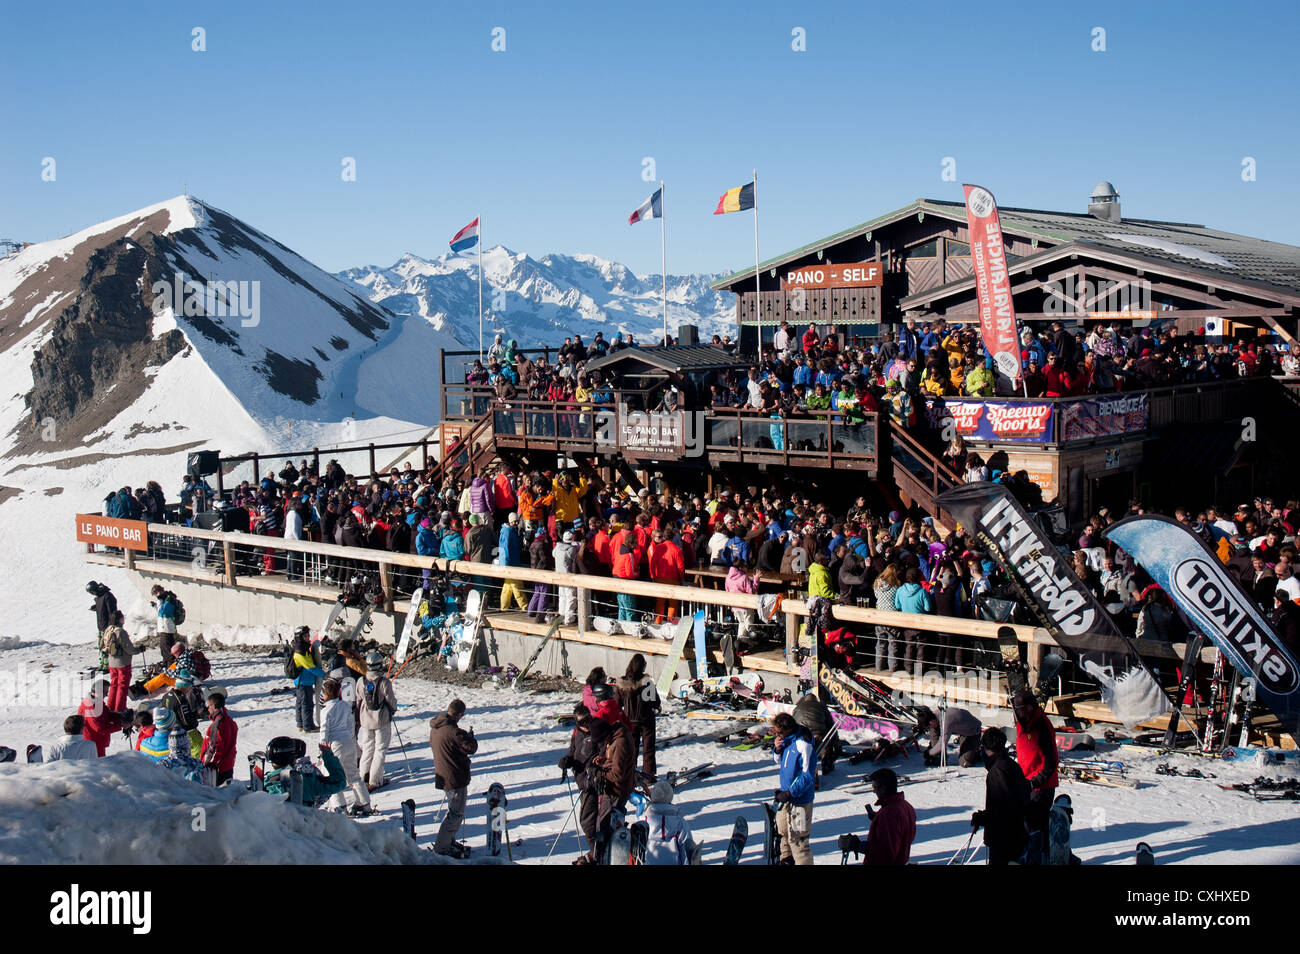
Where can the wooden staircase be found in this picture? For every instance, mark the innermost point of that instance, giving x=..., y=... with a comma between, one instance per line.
x=920, y=476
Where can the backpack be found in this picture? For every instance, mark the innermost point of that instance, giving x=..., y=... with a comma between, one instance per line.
x=202, y=668
x=291, y=667
x=178, y=616
x=112, y=644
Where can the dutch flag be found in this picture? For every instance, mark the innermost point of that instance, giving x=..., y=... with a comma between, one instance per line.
x=465, y=238
x=651, y=208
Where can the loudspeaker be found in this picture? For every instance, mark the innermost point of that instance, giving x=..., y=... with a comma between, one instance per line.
x=234, y=520
x=208, y=520
x=688, y=335
x=202, y=463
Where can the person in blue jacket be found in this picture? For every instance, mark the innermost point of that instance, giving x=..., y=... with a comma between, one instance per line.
x=508, y=550
x=794, y=755
x=912, y=597
x=308, y=673
x=427, y=545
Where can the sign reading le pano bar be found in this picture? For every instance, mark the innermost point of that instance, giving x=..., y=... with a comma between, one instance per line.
x=111, y=532
x=844, y=275
x=658, y=436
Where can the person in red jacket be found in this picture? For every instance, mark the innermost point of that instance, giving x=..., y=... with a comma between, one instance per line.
x=627, y=562
x=1057, y=378
x=893, y=827
x=218, y=752
x=666, y=566
x=1036, y=754
x=100, y=721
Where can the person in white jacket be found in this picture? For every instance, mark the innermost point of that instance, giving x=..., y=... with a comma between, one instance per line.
x=293, y=530
x=669, y=841
x=337, y=730
x=377, y=704
x=565, y=554
x=72, y=745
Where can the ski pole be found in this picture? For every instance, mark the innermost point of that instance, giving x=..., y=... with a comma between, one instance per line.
x=573, y=802
x=962, y=849
x=564, y=826
x=402, y=744
x=441, y=808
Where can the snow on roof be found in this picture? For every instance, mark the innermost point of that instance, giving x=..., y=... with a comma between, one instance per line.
x=1172, y=248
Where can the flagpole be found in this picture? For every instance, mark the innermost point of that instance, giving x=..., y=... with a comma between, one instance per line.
x=758, y=299
x=663, y=253
x=480, y=287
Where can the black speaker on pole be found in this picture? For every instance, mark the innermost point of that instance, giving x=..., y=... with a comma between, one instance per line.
x=202, y=463
x=688, y=335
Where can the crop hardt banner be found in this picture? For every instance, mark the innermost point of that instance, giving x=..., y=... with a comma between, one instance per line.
x=1062, y=603
x=1195, y=579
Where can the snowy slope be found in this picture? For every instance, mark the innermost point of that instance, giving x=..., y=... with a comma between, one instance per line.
x=542, y=301
x=1186, y=820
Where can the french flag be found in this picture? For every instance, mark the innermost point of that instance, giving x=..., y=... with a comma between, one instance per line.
x=465, y=238
x=651, y=208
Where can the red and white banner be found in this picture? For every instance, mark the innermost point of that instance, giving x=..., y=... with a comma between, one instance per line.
x=992, y=286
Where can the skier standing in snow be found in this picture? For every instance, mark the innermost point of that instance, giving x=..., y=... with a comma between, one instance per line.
x=587, y=739
x=1006, y=797
x=452, y=747
x=956, y=721
x=640, y=701
x=74, y=744
x=615, y=765
x=166, y=603
x=116, y=645
x=219, y=745
x=1036, y=753
x=104, y=607
x=793, y=752
x=893, y=828
x=337, y=732
x=378, y=704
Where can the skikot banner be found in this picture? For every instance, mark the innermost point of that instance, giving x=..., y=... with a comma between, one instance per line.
x=1195, y=579
x=992, y=285
x=1062, y=603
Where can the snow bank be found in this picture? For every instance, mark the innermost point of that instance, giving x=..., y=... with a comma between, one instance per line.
x=124, y=809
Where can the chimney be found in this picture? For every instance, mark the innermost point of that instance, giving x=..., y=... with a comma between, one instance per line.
x=1104, y=202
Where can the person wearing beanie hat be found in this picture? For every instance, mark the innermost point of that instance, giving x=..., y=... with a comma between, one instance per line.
x=564, y=558
x=614, y=768
x=377, y=705
x=669, y=840
x=1036, y=754
x=1006, y=800
x=155, y=732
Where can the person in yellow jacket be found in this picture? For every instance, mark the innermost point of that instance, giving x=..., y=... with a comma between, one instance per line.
x=568, y=497
x=819, y=577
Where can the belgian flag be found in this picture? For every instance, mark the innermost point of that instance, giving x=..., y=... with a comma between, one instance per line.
x=736, y=200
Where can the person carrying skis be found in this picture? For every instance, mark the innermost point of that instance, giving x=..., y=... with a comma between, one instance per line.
x=378, y=705
x=1006, y=798
x=793, y=752
x=893, y=828
x=337, y=731
x=218, y=752
x=615, y=765
x=956, y=721
x=588, y=738
x=452, y=747
x=287, y=756
x=640, y=701
x=1036, y=753
x=669, y=839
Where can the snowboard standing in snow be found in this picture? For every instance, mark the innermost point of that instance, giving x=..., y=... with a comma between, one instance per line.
x=35, y=753
x=498, y=830
x=739, y=835
x=1046, y=687
x=408, y=817
x=408, y=628
x=1145, y=856
x=1009, y=647
x=640, y=840
x=1058, y=831
x=675, y=652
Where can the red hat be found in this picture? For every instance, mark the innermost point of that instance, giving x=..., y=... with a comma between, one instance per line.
x=1145, y=352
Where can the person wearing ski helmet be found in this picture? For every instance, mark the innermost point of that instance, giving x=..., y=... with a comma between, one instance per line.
x=309, y=673
x=585, y=742
x=288, y=756
x=221, y=741
x=104, y=607
x=378, y=704
x=794, y=755
x=1036, y=753
x=893, y=826
x=452, y=747
x=1006, y=798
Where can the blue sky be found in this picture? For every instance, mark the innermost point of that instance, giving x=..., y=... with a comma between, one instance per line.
x=547, y=138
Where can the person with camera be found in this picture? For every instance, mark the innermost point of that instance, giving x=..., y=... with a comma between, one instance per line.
x=1006, y=801
x=893, y=827
x=794, y=754
x=452, y=747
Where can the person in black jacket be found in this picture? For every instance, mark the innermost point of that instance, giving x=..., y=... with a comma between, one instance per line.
x=1286, y=621
x=587, y=740
x=1006, y=797
x=104, y=608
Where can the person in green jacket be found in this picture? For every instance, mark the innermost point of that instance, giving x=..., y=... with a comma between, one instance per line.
x=979, y=382
x=287, y=755
x=819, y=577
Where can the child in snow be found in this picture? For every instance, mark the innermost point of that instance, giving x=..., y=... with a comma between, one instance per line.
x=669, y=841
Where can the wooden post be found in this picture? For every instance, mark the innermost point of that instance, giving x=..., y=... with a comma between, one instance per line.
x=228, y=555
x=424, y=454
x=372, y=458
x=386, y=582
x=315, y=459
x=257, y=470
x=791, y=636
x=128, y=558
x=584, y=621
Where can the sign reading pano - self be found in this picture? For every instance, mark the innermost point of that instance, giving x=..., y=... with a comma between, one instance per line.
x=111, y=532
x=846, y=275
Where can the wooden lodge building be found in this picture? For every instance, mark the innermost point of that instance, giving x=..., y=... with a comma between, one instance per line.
x=1082, y=452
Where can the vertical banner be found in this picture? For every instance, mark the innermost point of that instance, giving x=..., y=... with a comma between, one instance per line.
x=992, y=286
x=1194, y=578
x=1062, y=603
